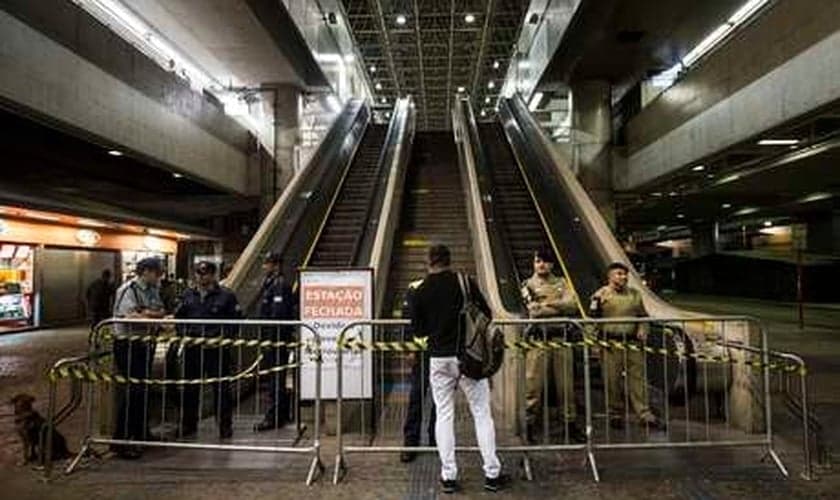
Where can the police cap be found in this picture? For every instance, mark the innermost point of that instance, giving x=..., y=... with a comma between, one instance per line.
x=273, y=258
x=149, y=264
x=618, y=265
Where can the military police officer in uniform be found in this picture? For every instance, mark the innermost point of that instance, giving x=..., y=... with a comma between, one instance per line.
x=618, y=299
x=419, y=385
x=207, y=300
x=547, y=295
x=276, y=301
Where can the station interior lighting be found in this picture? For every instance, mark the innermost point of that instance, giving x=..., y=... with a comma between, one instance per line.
x=487, y=100
x=469, y=18
x=378, y=86
x=461, y=90
x=726, y=205
x=698, y=168
x=743, y=14
x=401, y=20
x=535, y=101
x=778, y=142
x=114, y=152
x=177, y=175
x=491, y=84
x=496, y=64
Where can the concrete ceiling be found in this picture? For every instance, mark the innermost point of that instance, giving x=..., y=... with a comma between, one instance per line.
x=622, y=40
x=224, y=37
x=753, y=180
x=436, y=50
x=53, y=170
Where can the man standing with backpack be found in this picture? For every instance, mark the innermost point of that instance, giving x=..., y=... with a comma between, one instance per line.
x=437, y=311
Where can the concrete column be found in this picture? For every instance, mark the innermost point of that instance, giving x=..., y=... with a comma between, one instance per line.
x=591, y=137
x=704, y=239
x=287, y=106
x=823, y=233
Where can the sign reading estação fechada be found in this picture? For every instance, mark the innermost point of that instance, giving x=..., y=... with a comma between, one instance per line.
x=329, y=301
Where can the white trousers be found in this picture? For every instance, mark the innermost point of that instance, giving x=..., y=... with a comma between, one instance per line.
x=444, y=376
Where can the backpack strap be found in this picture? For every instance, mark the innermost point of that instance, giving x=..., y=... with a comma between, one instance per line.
x=465, y=290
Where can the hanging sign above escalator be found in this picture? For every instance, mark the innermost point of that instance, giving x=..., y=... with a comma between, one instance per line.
x=329, y=301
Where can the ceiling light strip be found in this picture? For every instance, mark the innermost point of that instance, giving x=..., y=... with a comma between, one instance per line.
x=479, y=61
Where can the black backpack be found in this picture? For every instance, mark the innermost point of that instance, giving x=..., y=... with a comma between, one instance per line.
x=482, y=352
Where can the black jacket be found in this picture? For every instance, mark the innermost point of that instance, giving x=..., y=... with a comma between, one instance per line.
x=436, y=312
x=218, y=303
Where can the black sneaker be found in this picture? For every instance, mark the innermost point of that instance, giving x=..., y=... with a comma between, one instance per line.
x=497, y=483
x=449, y=486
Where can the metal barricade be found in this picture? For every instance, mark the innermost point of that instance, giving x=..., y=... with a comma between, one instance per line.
x=399, y=366
x=161, y=375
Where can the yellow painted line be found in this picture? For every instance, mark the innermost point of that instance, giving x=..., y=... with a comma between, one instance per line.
x=415, y=242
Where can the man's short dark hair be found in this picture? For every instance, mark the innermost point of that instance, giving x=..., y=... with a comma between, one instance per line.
x=106, y=273
x=545, y=254
x=618, y=265
x=439, y=256
x=149, y=264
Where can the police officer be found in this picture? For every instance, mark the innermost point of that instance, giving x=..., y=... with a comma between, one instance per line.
x=137, y=298
x=276, y=301
x=207, y=300
x=547, y=295
x=419, y=386
x=617, y=299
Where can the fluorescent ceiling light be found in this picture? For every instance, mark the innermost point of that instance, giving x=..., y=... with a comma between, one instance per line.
x=746, y=211
x=815, y=197
x=378, y=86
x=177, y=175
x=373, y=69
x=680, y=216
x=673, y=193
x=401, y=19
x=726, y=205
x=496, y=64
x=91, y=223
x=114, y=152
x=461, y=90
x=707, y=44
x=746, y=10
x=730, y=178
x=535, y=101
x=469, y=18
x=383, y=100
x=710, y=176
x=778, y=142
x=698, y=168
x=768, y=223
x=656, y=193
x=487, y=100
x=491, y=85
x=661, y=228
x=483, y=113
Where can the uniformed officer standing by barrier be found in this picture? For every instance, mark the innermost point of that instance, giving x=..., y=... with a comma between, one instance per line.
x=207, y=300
x=419, y=385
x=617, y=299
x=276, y=301
x=137, y=298
x=547, y=295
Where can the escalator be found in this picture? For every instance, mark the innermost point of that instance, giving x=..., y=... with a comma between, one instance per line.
x=434, y=211
x=343, y=231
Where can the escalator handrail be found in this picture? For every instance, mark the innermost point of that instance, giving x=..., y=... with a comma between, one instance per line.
x=390, y=136
x=547, y=228
x=505, y=263
x=475, y=212
x=388, y=220
x=347, y=168
x=346, y=120
x=602, y=237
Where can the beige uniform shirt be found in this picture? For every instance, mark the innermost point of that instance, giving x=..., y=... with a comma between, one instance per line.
x=549, y=297
x=626, y=303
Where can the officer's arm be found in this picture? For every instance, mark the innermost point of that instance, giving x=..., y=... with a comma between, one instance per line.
x=566, y=305
x=641, y=312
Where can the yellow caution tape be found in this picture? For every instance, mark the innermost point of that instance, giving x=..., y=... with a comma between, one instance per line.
x=206, y=341
x=83, y=372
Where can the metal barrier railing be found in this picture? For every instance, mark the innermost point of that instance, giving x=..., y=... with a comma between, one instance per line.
x=164, y=371
x=689, y=383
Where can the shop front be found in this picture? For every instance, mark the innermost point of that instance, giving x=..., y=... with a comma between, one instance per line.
x=48, y=260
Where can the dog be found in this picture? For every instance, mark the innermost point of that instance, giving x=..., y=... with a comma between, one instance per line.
x=30, y=426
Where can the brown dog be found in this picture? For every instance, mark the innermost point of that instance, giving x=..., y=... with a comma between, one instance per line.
x=30, y=425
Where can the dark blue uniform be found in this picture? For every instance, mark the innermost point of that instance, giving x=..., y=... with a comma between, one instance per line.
x=200, y=361
x=277, y=301
x=419, y=382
